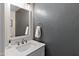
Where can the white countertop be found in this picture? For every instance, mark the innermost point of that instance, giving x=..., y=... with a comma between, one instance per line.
x=14, y=52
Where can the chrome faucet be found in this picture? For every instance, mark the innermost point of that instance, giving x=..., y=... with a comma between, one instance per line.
x=24, y=41
x=18, y=43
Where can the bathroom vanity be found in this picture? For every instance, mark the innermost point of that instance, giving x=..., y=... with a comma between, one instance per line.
x=31, y=48
x=19, y=31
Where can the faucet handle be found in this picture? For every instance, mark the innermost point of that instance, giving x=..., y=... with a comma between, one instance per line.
x=9, y=41
x=22, y=41
x=26, y=41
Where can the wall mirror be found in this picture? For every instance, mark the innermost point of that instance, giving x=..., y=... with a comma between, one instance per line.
x=19, y=21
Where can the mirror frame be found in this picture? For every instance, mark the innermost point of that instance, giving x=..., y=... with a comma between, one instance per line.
x=7, y=22
x=29, y=14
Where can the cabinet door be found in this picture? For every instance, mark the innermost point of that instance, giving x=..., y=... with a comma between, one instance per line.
x=39, y=52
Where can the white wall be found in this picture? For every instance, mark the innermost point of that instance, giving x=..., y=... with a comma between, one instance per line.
x=2, y=38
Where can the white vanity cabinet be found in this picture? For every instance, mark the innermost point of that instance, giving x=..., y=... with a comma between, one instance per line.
x=32, y=48
x=38, y=52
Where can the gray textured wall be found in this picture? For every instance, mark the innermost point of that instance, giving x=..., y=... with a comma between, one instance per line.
x=60, y=27
x=22, y=21
x=2, y=42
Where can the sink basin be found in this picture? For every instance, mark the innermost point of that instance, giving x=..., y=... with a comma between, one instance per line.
x=25, y=47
